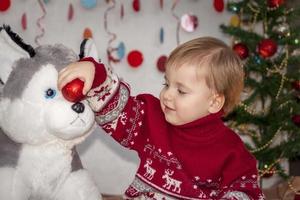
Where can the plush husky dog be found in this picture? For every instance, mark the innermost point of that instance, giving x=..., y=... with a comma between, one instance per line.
x=38, y=127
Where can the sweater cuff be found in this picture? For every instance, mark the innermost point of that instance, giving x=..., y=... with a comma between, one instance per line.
x=100, y=72
x=105, y=85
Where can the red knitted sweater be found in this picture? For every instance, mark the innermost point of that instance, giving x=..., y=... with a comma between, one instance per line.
x=200, y=160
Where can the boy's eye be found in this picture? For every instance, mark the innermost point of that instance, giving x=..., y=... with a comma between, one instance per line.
x=166, y=84
x=181, y=92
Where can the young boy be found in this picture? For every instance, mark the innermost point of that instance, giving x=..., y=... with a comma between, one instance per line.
x=186, y=151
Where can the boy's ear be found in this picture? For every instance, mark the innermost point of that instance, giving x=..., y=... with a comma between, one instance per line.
x=216, y=103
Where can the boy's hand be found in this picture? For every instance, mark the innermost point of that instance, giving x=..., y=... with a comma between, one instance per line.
x=83, y=70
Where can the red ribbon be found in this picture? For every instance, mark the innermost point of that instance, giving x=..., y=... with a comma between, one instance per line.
x=109, y=49
x=39, y=23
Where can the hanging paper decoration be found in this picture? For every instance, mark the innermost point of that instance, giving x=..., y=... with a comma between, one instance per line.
x=161, y=63
x=219, y=5
x=178, y=21
x=46, y=1
x=70, y=12
x=161, y=35
x=87, y=33
x=161, y=3
x=136, y=5
x=24, y=21
x=122, y=11
x=267, y=48
x=241, y=50
x=189, y=23
x=135, y=58
x=110, y=50
x=4, y=5
x=121, y=50
x=116, y=54
x=88, y=4
x=39, y=20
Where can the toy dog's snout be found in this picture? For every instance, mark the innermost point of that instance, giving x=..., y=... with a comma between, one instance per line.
x=78, y=107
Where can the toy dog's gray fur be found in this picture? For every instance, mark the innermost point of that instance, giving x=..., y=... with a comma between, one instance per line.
x=68, y=179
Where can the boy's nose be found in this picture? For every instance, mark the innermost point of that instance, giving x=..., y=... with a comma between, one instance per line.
x=167, y=95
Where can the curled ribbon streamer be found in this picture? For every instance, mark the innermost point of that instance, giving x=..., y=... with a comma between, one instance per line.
x=178, y=20
x=36, y=40
x=113, y=35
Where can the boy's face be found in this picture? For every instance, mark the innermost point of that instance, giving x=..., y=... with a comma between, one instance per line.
x=185, y=96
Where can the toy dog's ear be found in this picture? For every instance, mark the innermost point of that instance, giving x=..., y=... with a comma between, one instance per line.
x=12, y=48
x=88, y=49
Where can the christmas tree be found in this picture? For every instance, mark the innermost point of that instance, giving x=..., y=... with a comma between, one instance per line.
x=266, y=37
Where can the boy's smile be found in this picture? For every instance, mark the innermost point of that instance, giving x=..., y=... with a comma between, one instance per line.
x=168, y=109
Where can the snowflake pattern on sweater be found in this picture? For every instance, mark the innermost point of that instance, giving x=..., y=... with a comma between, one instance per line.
x=200, y=160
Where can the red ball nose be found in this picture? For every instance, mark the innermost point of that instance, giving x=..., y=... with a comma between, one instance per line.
x=72, y=91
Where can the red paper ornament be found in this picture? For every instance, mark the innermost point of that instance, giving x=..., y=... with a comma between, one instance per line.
x=136, y=5
x=267, y=48
x=161, y=3
x=296, y=120
x=72, y=91
x=296, y=85
x=70, y=12
x=4, y=5
x=275, y=3
x=241, y=49
x=161, y=63
x=135, y=58
x=122, y=11
x=219, y=5
x=24, y=21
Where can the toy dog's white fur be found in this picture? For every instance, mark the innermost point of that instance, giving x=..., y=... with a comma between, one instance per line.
x=39, y=128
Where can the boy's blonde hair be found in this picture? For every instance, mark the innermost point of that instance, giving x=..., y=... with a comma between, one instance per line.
x=226, y=75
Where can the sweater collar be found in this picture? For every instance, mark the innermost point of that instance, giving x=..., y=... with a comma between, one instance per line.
x=200, y=130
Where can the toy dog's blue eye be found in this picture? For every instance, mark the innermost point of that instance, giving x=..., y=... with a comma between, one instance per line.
x=50, y=93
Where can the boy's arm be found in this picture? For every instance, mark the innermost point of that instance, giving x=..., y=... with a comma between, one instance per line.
x=105, y=85
x=240, y=178
x=119, y=114
x=244, y=188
